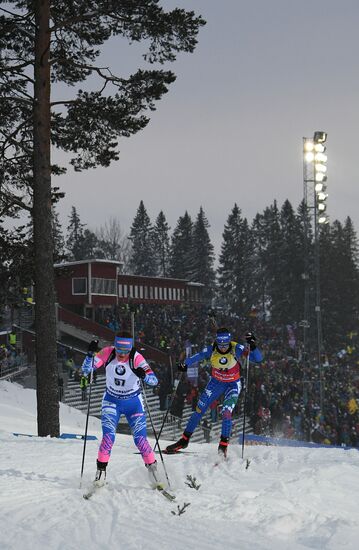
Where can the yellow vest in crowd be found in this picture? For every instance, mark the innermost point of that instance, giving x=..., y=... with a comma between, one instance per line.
x=352, y=406
x=12, y=339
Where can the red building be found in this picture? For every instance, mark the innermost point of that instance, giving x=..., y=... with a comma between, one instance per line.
x=87, y=286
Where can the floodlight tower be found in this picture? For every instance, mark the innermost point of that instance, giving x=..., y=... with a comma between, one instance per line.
x=315, y=196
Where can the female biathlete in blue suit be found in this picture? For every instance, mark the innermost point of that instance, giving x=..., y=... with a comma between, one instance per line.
x=224, y=357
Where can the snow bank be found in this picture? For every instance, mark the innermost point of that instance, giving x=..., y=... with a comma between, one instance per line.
x=276, y=498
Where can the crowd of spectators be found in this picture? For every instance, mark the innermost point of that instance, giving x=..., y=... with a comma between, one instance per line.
x=284, y=400
x=10, y=358
x=284, y=393
x=287, y=395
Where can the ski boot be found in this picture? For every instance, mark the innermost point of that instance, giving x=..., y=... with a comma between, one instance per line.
x=152, y=474
x=100, y=478
x=182, y=443
x=156, y=482
x=223, y=447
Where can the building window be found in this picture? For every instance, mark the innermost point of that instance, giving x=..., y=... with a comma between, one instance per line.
x=130, y=291
x=156, y=292
x=146, y=293
x=169, y=290
x=135, y=291
x=151, y=292
x=79, y=285
x=120, y=293
x=160, y=293
x=105, y=287
x=141, y=291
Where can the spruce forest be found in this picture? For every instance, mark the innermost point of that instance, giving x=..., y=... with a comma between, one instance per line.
x=261, y=264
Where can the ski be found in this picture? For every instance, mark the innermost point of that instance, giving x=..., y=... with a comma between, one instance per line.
x=93, y=489
x=221, y=460
x=159, y=487
x=164, y=452
x=156, y=484
x=180, y=453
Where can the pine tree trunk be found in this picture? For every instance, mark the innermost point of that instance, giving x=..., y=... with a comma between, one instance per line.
x=45, y=321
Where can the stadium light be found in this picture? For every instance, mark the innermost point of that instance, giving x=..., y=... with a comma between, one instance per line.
x=315, y=199
x=320, y=176
x=320, y=137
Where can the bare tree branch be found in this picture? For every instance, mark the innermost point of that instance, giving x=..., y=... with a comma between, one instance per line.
x=64, y=102
x=13, y=199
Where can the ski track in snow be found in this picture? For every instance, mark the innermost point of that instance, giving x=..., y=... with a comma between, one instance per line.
x=287, y=499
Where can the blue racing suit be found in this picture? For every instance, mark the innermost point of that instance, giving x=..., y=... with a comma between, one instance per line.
x=225, y=379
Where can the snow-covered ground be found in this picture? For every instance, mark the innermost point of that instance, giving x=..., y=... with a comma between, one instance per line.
x=287, y=498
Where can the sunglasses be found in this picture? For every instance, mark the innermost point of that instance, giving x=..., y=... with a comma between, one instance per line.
x=123, y=351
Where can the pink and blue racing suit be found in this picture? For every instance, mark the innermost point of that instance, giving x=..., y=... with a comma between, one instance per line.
x=123, y=396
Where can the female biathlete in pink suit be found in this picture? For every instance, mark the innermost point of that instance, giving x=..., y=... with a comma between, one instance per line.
x=124, y=369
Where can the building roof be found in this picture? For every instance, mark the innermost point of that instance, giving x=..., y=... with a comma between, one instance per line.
x=79, y=262
x=99, y=261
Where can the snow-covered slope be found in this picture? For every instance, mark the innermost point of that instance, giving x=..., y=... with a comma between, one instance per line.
x=286, y=499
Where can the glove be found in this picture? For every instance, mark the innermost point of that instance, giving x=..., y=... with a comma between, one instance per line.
x=151, y=380
x=182, y=367
x=251, y=340
x=93, y=347
x=87, y=365
x=140, y=372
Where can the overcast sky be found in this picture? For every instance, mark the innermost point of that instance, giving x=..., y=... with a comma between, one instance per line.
x=265, y=74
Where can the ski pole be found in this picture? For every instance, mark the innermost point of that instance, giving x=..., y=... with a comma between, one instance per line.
x=146, y=402
x=245, y=400
x=154, y=433
x=87, y=421
x=168, y=409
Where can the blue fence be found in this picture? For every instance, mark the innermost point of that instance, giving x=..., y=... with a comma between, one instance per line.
x=62, y=436
x=262, y=440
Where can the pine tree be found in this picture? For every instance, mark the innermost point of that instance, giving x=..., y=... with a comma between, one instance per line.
x=203, y=256
x=59, y=241
x=75, y=235
x=82, y=244
x=235, y=271
x=45, y=43
x=161, y=244
x=181, y=256
x=290, y=308
x=350, y=283
x=90, y=247
x=16, y=266
x=142, y=260
x=268, y=237
x=279, y=242
x=339, y=281
x=259, y=281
